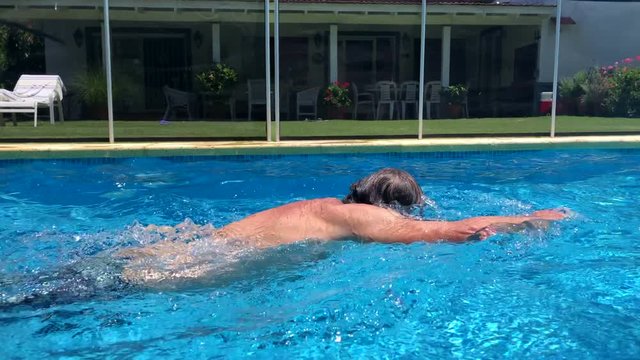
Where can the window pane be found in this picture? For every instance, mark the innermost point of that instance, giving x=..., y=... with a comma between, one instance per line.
x=374, y=57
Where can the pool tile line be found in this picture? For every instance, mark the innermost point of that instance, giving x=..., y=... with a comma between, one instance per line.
x=448, y=147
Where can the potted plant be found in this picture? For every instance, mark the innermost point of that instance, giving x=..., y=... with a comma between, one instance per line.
x=218, y=79
x=217, y=82
x=454, y=97
x=336, y=96
x=91, y=89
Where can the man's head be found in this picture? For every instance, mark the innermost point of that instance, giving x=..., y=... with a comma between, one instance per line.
x=388, y=186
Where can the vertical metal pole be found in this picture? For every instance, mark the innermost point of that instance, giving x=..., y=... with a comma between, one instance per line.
x=555, y=68
x=276, y=49
x=107, y=58
x=423, y=27
x=267, y=66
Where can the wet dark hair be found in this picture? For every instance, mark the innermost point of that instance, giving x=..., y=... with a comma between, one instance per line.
x=387, y=186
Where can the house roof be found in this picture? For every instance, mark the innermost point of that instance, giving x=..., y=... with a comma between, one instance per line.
x=432, y=2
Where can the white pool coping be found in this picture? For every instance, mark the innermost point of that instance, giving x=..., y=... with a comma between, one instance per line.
x=163, y=148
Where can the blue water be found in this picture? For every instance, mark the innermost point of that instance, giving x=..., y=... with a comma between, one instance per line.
x=572, y=292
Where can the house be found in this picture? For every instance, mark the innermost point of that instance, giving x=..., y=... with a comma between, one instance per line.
x=501, y=50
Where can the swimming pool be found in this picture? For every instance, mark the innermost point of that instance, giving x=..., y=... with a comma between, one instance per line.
x=572, y=292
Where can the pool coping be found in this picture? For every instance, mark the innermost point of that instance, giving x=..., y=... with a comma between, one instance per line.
x=292, y=147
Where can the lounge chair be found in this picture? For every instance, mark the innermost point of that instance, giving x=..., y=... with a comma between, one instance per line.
x=32, y=92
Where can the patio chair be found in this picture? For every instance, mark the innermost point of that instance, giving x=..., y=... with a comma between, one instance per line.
x=365, y=100
x=387, y=91
x=178, y=100
x=307, y=103
x=257, y=93
x=32, y=92
x=432, y=93
x=409, y=96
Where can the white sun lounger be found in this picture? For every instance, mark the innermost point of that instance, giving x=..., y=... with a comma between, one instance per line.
x=31, y=92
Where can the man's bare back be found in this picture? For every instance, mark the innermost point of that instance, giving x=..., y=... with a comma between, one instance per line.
x=330, y=219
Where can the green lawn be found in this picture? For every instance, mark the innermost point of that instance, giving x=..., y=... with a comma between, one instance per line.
x=97, y=130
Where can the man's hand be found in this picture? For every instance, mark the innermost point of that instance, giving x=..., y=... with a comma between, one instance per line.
x=538, y=220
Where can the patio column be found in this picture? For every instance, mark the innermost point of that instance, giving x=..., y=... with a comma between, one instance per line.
x=215, y=43
x=545, y=49
x=333, y=53
x=446, y=55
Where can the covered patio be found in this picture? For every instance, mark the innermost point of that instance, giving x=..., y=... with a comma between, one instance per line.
x=498, y=51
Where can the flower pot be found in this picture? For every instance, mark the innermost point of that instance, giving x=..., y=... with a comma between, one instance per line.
x=567, y=106
x=336, y=113
x=454, y=110
x=97, y=111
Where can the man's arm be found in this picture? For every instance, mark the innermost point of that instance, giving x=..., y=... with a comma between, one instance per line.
x=372, y=223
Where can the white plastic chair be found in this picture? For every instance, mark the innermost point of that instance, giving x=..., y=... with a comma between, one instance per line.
x=307, y=103
x=409, y=96
x=432, y=93
x=257, y=93
x=387, y=92
x=32, y=92
x=365, y=100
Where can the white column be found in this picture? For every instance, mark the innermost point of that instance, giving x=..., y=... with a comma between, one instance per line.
x=545, y=49
x=446, y=55
x=333, y=53
x=215, y=43
x=104, y=59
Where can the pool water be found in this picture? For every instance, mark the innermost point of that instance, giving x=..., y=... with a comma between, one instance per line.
x=570, y=292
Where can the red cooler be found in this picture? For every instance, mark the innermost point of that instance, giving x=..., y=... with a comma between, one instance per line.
x=546, y=100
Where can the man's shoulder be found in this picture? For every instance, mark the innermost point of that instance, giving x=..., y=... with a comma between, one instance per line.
x=323, y=202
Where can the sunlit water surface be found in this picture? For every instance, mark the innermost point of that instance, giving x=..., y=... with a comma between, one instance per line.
x=572, y=292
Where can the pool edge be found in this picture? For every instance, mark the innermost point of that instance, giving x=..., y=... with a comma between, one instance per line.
x=225, y=148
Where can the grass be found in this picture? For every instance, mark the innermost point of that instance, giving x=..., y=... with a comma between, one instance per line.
x=97, y=129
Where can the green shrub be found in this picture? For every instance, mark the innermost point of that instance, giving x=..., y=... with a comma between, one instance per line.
x=596, y=88
x=623, y=98
x=572, y=87
x=570, y=91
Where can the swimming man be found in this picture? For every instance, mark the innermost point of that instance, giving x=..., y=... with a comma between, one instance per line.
x=372, y=211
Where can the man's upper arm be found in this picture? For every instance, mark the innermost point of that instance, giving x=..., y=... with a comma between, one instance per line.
x=373, y=223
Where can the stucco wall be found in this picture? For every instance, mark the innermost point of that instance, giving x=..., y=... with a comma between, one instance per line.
x=605, y=32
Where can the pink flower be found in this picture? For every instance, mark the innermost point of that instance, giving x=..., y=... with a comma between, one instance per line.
x=609, y=67
x=638, y=57
x=628, y=60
